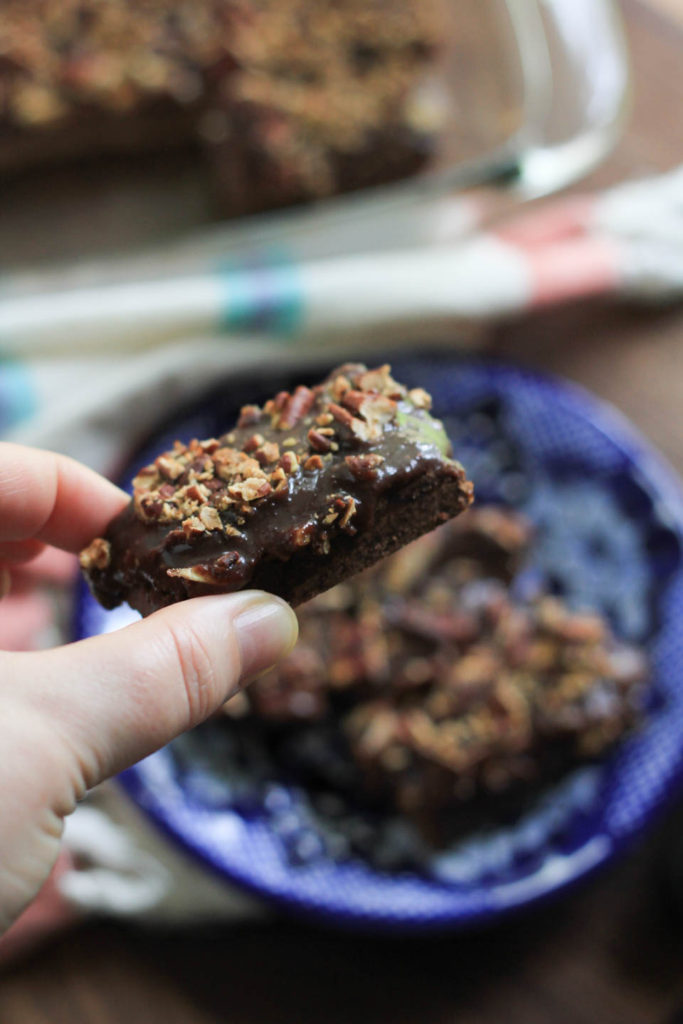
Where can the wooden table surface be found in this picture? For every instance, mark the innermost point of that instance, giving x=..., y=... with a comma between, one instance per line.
x=612, y=950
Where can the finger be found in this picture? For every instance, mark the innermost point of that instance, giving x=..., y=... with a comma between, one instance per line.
x=51, y=566
x=25, y=621
x=118, y=697
x=20, y=551
x=53, y=499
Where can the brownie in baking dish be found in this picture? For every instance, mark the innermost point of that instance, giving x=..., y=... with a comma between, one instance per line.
x=291, y=99
x=304, y=492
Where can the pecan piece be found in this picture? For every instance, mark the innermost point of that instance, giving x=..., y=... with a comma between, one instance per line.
x=295, y=408
x=420, y=398
x=289, y=462
x=227, y=565
x=349, y=512
x=319, y=442
x=149, y=507
x=379, y=380
x=301, y=536
x=193, y=527
x=193, y=573
x=97, y=555
x=196, y=492
x=267, y=453
x=354, y=399
x=341, y=415
x=364, y=467
x=249, y=415
x=250, y=489
x=210, y=518
x=340, y=385
x=147, y=479
x=254, y=442
x=169, y=467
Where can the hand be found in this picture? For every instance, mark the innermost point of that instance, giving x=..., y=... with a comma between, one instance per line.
x=74, y=715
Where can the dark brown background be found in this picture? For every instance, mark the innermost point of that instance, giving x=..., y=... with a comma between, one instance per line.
x=612, y=950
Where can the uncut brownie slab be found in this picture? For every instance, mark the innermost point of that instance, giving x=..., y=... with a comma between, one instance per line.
x=291, y=99
x=310, y=489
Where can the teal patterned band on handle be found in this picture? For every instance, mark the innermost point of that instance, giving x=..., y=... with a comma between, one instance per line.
x=17, y=396
x=262, y=292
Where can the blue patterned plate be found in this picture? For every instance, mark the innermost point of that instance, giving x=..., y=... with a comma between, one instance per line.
x=609, y=518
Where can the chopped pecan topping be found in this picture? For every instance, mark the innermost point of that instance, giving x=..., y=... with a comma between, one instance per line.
x=295, y=408
x=210, y=445
x=169, y=467
x=289, y=462
x=364, y=467
x=380, y=380
x=340, y=385
x=349, y=512
x=195, y=492
x=147, y=479
x=193, y=527
x=254, y=442
x=250, y=489
x=340, y=414
x=313, y=462
x=149, y=507
x=354, y=399
x=249, y=415
x=97, y=555
x=319, y=441
x=210, y=518
x=301, y=536
x=193, y=573
x=267, y=453
x=420, y=398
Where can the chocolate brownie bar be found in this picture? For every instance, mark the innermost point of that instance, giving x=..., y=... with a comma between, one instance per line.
x=292, y=99
x=313, y=487
x=424, y=687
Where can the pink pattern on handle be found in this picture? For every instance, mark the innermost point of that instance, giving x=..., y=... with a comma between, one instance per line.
x=574, y=269
x=563, y=219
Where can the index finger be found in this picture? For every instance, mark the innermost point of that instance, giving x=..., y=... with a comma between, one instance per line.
x=54, y=499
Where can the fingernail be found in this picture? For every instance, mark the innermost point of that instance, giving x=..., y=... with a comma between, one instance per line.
x=266, y=630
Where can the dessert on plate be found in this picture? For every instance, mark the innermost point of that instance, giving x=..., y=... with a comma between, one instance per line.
x=302, y=493
x=427, y=689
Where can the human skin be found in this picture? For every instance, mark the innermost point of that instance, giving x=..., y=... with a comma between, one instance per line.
x=72, y=716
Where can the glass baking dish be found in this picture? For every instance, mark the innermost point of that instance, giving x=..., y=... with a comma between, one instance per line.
x=531, y=93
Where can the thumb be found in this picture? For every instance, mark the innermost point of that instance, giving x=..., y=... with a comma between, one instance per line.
x=118, y=697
